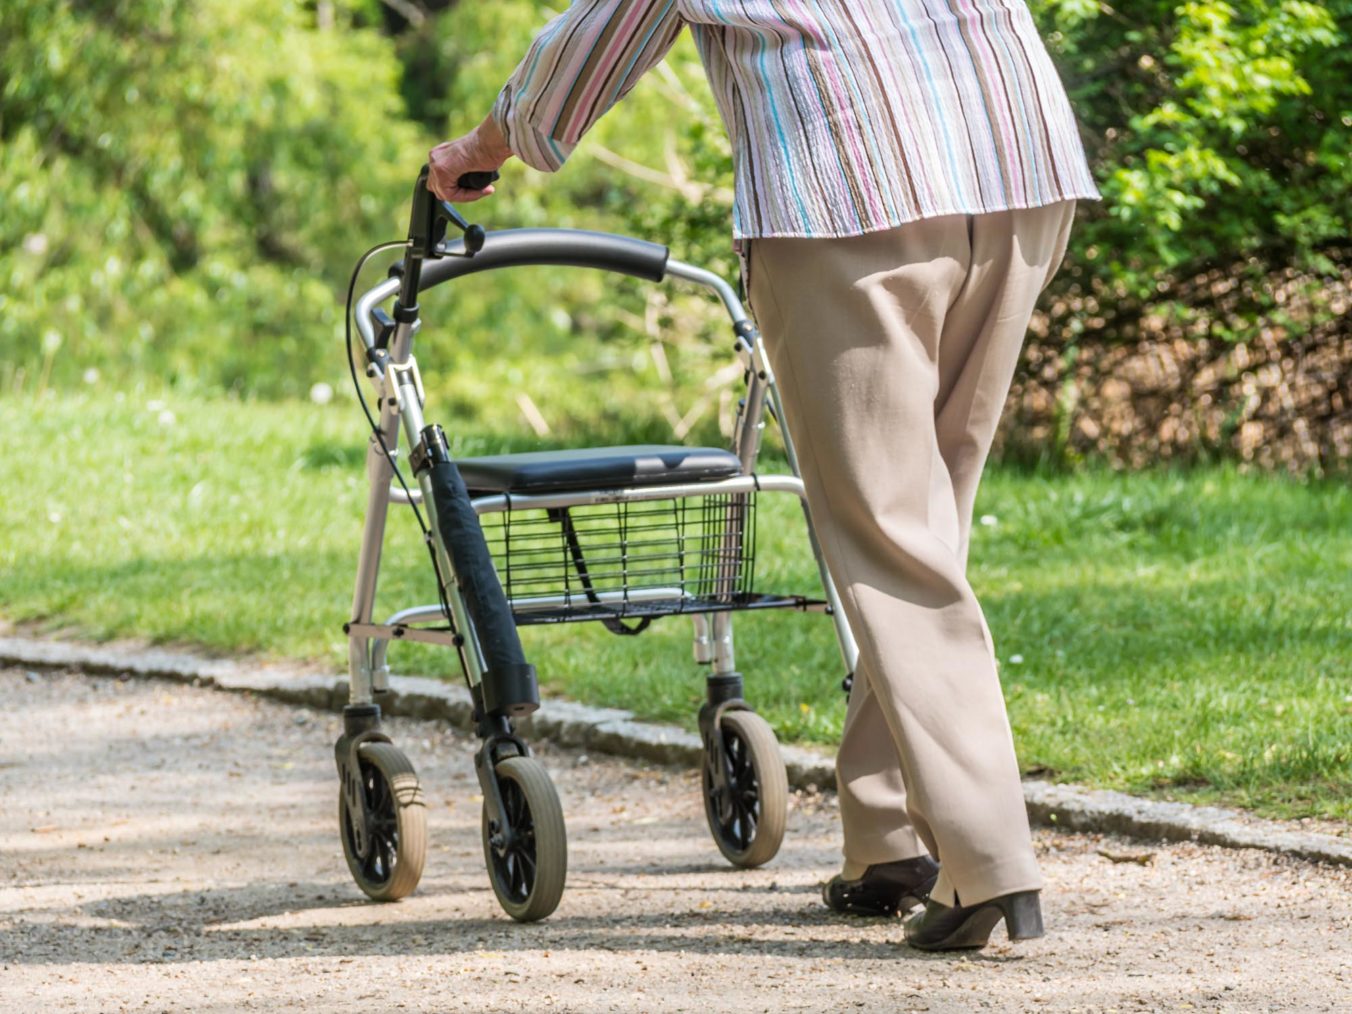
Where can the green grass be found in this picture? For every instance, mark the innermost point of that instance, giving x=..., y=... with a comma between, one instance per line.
x=1186, y=634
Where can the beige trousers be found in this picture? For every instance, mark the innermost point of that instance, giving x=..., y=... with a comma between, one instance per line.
x=894, y=352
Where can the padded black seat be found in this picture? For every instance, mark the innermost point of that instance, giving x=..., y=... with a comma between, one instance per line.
x=596, y=468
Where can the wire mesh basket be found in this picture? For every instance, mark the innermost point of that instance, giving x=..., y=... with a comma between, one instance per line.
x=632, y=558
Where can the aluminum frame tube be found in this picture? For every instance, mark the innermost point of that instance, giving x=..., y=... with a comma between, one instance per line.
x=361, y=672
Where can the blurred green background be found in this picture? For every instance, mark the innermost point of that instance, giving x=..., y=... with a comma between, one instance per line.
x=184, y=188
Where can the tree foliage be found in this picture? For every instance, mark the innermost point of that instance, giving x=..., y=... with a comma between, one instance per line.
x=184, y=185
x=1219, y=131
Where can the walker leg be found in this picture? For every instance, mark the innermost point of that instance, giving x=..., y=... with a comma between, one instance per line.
x=746, y=789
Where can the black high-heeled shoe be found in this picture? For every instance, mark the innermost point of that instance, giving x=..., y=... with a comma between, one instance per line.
x=884, y=889
x=966, y=927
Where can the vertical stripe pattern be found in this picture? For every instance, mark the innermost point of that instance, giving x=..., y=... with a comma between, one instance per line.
x=846, y=116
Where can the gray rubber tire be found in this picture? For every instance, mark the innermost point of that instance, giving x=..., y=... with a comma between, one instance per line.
x=391, y=872
x=752, y=838
x=529, y=881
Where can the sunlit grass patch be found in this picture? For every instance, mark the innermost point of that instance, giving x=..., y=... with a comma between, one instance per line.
x=1186, y=634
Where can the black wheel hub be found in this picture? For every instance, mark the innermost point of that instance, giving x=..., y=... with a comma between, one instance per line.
x=735, y=804
x=514, y=862
x=381, y=827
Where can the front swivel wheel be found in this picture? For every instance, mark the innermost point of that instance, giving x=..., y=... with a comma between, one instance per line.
x=527, y=857
x=385, y=840
x=748, y=806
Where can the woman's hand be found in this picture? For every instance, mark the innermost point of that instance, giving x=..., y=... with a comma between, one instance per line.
x=481, y=150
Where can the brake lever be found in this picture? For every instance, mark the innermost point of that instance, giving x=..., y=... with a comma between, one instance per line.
x=427, y=228
x=444, y=212
x=474, y=234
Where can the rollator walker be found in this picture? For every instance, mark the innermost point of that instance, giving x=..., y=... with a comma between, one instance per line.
x=618, y=535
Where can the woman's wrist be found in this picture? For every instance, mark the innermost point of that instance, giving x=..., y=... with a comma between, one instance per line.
x=490, y=144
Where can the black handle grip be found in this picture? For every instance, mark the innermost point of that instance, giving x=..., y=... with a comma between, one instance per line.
x=478, y=180
x=559, y=247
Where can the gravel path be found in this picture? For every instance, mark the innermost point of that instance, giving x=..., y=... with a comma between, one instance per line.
x=169, y=848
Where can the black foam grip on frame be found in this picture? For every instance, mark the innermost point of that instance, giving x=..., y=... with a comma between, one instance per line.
x=508, y=248
x=509, y=683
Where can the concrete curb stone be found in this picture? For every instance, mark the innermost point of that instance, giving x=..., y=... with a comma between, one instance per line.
x=615, y=731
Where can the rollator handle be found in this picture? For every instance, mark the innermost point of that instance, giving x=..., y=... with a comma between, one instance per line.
x=427, y=242
x=427, y=226
x=478, y=181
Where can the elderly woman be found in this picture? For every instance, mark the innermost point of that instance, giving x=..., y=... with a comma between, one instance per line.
x=906, y=177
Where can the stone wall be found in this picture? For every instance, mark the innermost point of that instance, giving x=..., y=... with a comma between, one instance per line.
x=1277, y=402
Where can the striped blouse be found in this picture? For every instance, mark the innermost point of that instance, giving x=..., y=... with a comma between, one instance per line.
x=846, y=116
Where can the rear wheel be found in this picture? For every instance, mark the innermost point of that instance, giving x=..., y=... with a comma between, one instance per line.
x=387, y=859
x=527, y=867
x=747, y=816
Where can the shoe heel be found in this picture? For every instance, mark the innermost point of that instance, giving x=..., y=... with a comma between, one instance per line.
x=1023, y=915
x=907, y=902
